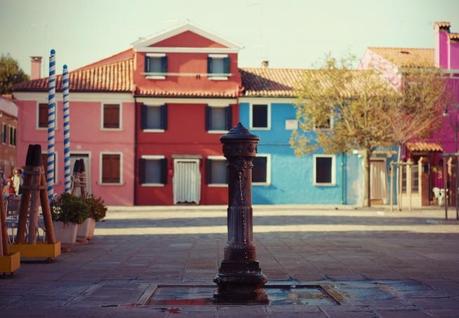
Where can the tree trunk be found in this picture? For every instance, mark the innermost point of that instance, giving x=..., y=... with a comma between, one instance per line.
x=367, y=178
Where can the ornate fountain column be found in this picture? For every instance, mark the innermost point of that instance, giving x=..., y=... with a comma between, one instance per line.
x=239, y=277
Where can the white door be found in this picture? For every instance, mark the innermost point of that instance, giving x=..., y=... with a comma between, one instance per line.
x=87, y=166
x=187, y=181
x=378, y=180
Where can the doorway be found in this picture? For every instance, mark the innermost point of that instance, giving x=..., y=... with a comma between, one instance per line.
x=378, y=181
x=187, y=181
x=87, y=165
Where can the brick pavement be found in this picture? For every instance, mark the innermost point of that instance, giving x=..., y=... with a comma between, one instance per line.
x=385, y=264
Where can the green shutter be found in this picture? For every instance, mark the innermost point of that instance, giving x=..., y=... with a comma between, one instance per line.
x=226, y=65
x=209, y=171
x=143, y=116
x=164, y=117
x=209, y=65
x=228, y=117
x=164, y=171
x=146, y=68
x=164, y=64
x=141, y=171
x=207, y=118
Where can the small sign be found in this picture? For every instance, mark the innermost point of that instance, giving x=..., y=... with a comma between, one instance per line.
x=291, y=124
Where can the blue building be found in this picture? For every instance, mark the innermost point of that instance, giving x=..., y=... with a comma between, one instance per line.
x=267, y=108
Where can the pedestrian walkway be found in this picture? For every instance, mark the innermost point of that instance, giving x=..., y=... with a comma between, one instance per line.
x=381, y=264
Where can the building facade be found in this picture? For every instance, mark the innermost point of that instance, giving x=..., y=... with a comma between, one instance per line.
x=424, y=173
x=8, y=130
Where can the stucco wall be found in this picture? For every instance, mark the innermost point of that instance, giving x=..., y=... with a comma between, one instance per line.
x=87, y=137
x=292, y=177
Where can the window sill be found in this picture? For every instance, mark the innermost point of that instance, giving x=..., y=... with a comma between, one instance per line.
x=217, y=78
x=111, y=129
x=217, y=185
x=111, y=184
x=152, y=185
x=261, y=184
x=217, y=131
x=324, y=184
x=260, y=128
x=153, y=130
x=155, y=77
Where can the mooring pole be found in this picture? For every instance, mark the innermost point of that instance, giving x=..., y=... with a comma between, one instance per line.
x=239, y=277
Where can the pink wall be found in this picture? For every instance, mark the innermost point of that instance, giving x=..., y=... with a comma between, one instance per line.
x=442, y=48
x=86, y=136
x=454, y=51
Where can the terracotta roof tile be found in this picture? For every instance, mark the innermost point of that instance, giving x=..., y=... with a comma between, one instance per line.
x=406, y=57
x=282, y=82
x=421, y=146
x=114, y=77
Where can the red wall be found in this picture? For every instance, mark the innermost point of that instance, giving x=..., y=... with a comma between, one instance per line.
x=194, y=63
x=187, y=39
x=186, y=135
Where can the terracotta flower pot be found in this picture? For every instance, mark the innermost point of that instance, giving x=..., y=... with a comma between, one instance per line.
x=66, y=232
x=86, y=229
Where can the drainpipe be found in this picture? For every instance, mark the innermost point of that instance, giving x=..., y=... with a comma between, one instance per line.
x=343, y=179
x=136, y=111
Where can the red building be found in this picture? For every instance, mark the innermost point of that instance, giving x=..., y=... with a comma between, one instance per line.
x=186, y=88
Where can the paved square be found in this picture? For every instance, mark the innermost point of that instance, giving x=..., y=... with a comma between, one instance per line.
x=384, y=264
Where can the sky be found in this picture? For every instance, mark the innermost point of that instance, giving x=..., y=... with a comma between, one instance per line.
x=288, y=33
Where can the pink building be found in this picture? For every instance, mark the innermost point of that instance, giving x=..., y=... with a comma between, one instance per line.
x=391, y=62
x=102, y=132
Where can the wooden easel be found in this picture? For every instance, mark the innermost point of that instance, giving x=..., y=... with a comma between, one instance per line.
x=34, y=194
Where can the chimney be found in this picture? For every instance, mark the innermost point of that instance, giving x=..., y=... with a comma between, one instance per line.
x=265, y=63
x=442, y=29
x=35, y=62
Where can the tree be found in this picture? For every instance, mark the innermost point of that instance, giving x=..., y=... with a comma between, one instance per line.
x=10, y=74
x=367, y=111
x=417, y=112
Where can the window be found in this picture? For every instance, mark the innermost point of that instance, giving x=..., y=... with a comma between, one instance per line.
x=42, y=115
x=218, y=118
x=217, y=171
x=218, y=66
x=111, y=116
x=154, y=117
x=156, y=65
x=44, y=163
x=111, y=168
x=4, y=134
x=324, y=170
x=326, y=124
x=153, y=170
x=261, y=170
x=12, y=136
x=260, y=117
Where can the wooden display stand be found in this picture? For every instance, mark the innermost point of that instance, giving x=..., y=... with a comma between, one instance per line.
x=9, y=261
x=35, y=193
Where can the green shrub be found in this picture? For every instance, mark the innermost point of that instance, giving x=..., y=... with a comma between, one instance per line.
x=68, y=208
x=97, y=207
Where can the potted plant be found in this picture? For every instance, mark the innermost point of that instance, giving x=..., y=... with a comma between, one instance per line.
x=97, y=211
x=67, y=212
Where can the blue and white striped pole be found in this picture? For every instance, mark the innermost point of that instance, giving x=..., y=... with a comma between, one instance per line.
x=51, y=123
x=67, y=176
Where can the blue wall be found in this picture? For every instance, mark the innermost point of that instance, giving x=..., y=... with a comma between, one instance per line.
x=292, y=177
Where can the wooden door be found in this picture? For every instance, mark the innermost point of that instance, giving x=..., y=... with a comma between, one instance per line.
x=378, y=181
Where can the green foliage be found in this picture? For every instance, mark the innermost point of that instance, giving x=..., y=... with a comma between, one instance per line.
x=97, y=207
x=10, y=74
x=69, y=208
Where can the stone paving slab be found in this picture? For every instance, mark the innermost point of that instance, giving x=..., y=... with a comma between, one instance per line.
x=413, y=256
